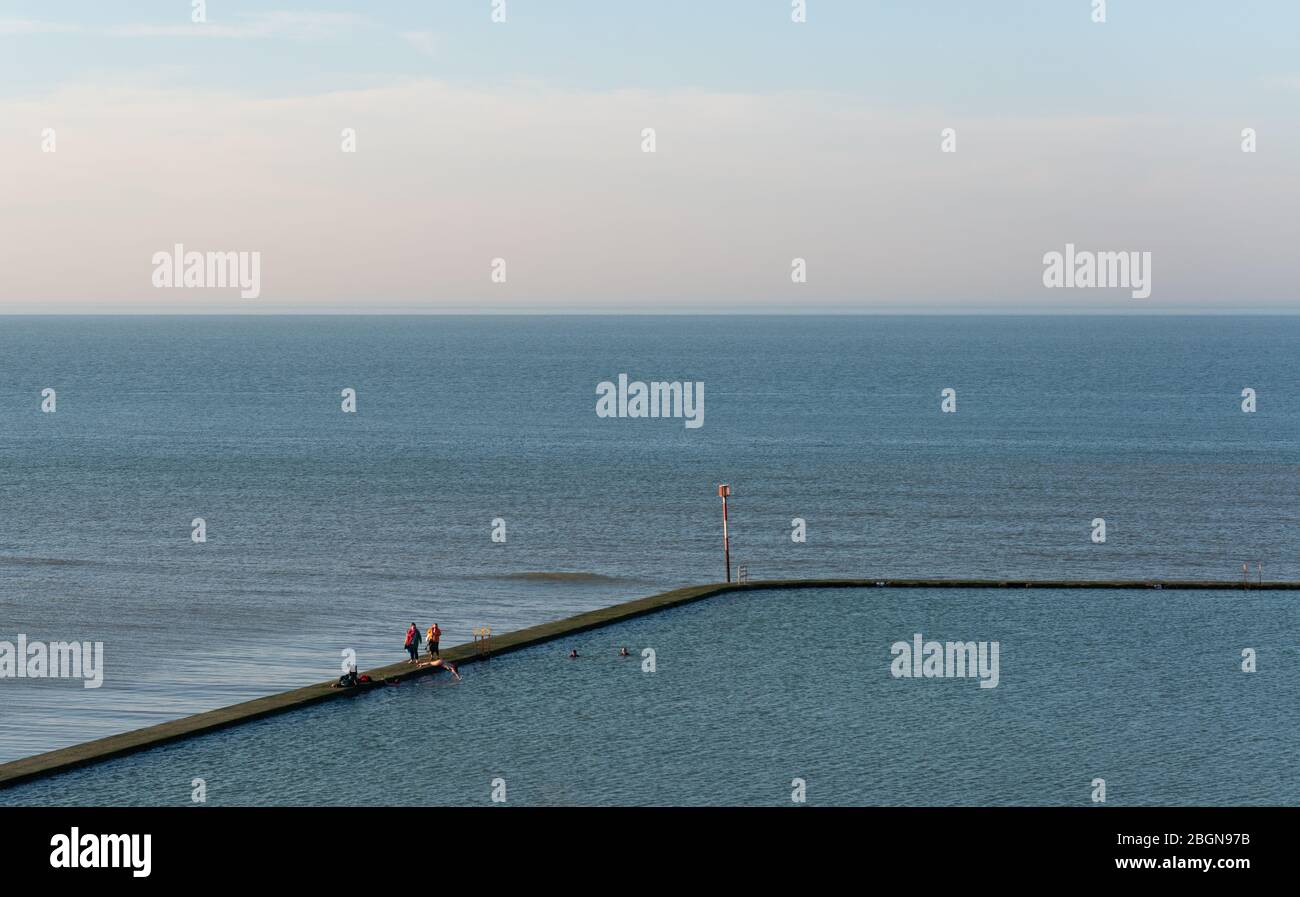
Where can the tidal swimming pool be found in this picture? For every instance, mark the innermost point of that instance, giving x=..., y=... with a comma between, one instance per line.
x=751, y=691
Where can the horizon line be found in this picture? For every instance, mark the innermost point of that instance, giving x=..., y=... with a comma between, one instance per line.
x=662, y=313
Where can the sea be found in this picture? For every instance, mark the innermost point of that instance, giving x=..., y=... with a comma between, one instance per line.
x=476, y=485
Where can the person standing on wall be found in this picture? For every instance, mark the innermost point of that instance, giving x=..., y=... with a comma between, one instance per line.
x=413, y=642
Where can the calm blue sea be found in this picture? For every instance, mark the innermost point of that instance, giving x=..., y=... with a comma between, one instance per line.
x=329, y=531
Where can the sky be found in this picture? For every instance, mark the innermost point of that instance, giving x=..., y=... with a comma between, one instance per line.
x=523, y=141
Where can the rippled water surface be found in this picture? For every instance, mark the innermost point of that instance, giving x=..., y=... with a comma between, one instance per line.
x=1141, y=688
x=331, y=531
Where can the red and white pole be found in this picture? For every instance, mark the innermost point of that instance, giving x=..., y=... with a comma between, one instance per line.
x=724, y=490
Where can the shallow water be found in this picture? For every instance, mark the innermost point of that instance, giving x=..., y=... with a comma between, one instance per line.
x=330, y=531
x=1141, y=688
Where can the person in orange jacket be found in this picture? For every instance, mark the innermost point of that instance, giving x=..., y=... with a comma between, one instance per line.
x=433, y=636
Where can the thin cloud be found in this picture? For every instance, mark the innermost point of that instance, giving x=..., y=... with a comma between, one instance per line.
x=32, y=26
x=254, y=26
x=1283, y=82
x=425, y=42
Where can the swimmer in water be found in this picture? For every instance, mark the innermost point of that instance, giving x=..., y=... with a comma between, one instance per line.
x=622, y=652
x=573, y=653
x=441, y=664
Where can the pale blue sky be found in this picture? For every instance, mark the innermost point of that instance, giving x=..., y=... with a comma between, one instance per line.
x=1150, y=105
x=1010, y=55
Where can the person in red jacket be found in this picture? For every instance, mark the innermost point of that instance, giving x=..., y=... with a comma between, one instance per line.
x=413, y=642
